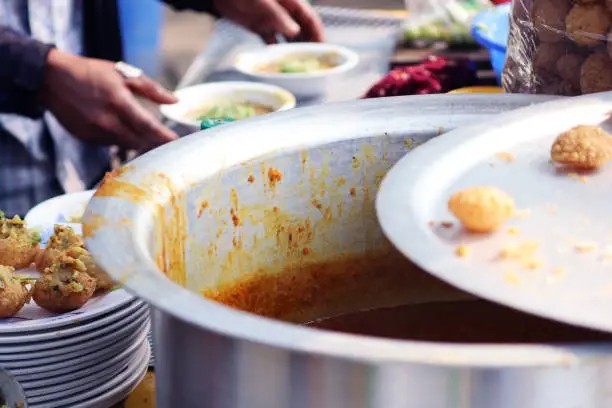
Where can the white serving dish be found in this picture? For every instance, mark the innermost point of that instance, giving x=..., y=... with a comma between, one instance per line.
x=300, y=84
x=194, y=97
x=65, y=209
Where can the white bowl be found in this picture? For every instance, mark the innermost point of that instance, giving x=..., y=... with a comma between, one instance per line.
x=300, y=84
x=193, y=97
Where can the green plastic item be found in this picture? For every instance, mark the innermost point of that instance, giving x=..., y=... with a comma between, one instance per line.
x=212, y=122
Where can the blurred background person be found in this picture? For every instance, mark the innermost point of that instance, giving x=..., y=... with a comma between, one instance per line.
x=64, y=100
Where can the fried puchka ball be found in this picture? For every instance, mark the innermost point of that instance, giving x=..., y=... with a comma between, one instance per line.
x=63, y=239
x=582, y=147
x=548, y=17
x=103, y=281
x=481, y=209
x=546, y=56
x=18, y=244
x=568, y=68
x=596, y=73
x=13, y=292
x=65, y=286
x=588, y=24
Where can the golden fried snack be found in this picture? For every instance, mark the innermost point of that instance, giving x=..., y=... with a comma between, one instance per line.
x=546, y=56
x=568, y=68
x=588, y=24
x=558, y=86
x=582, y=147
x=103, y=281
x=481, y=209
x=61, y=241
x=549, y=17
x=596, y=73
x=13, y=292
x=64, y=287
x=18, y=244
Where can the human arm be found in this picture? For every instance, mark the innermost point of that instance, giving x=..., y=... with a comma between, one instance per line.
x=21, y=73
x=97, y=105
x=295, y=19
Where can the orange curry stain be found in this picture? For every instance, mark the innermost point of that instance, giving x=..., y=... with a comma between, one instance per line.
x=170, y=223
x=111, y=186
x=203, y=206
x=274, y=175
x=93, y=223
x=171, y=229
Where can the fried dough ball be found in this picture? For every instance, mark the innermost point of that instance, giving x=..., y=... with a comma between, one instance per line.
x=64, y=287
x=548, y=17
x=13, y=292
x=481, y=209
x=61, y=241
x=557, y=86
x=583, y=147
x=546, y=56
x=568, y=68
x=18, y=244
x=588, y=25
x=596, y=73
x=103, y=281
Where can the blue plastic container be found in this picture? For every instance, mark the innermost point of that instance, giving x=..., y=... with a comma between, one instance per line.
x=141, y=26
x=490, y=29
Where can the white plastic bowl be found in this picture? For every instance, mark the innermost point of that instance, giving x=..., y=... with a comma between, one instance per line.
x=300, y=84
x=197, y=96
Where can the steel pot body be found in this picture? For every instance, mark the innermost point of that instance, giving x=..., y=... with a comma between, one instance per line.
x=270, y=196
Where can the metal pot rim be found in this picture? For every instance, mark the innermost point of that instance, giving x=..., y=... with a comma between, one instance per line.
x=122, y=252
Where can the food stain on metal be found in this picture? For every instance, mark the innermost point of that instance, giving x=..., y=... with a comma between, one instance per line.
x=171, y=227
x=506, y=157
x=586, y=247
x=251, y=178
x=93, y=223
x=274, y=176
x=203, y=206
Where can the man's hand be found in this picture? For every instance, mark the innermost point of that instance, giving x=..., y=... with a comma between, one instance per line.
x=295, y=19
x=97, y=105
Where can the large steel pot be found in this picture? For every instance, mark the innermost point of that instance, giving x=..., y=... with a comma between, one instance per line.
x=189, y=217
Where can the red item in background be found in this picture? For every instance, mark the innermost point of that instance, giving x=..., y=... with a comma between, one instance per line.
x=498, y=2
x=434, y=75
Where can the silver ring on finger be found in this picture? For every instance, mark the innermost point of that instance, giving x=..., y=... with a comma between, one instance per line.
x=128, y=71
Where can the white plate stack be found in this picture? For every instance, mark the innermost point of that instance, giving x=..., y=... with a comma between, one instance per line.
x=92, y=357
x=88, y=358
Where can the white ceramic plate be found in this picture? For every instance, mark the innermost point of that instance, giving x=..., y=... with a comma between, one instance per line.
x=571, y=286
x=80, y=327
x=105, y=394
x=64, y=209
x=71, y=363
x=79, y=378
x=34, y=318
x=45, y=349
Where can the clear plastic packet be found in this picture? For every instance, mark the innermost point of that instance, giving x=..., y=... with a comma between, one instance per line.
x=559, y=47
x=441, y=20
